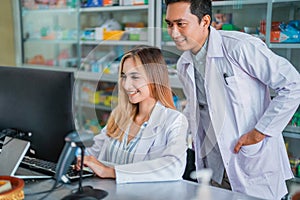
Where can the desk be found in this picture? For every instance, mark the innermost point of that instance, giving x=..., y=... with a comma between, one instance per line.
x=159, y=190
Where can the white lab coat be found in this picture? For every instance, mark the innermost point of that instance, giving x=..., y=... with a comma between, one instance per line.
x=160, y=153
x=242, y=103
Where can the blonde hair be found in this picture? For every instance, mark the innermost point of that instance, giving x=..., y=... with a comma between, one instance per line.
x=152, y=60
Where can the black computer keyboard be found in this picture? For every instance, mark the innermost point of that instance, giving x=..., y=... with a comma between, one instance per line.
x=48, y=168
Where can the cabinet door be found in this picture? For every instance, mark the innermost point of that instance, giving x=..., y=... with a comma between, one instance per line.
x=285, y=41
x=49, y=34
x=109, y=31
x=93, y=101
x=283, y=25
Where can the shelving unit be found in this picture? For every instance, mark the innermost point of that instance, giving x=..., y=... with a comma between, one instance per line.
x=284, y=11
x=281, y=10
x=42, y=41
x=32, y=22
x=49, y=42
x=81, y=105
x=91, y=48
x=121, y=9
x=76, y=19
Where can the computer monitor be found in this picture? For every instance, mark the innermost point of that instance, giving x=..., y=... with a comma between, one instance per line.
x=38, y=101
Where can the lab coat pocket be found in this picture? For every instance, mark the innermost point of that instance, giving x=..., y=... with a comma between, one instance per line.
x=229, y=80
x=233, y=92
x=251, y=150
x=254, y=159
x=236, y=102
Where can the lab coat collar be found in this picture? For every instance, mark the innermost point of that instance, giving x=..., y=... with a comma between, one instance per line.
x=214, y=48
x=215, y=44
x=186, y=66
x=186, y=58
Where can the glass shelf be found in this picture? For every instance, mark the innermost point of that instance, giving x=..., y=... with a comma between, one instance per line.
x=233, y=3
x=291, y=135
x=113, y=8
x=113, y=42
x=44, y=41
x=92, y=76
x=293, y=129
x=285, y=45
x=284, y=1
x=97, y=106
x=50, y=11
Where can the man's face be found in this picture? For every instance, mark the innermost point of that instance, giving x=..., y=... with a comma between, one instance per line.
x=184, y=27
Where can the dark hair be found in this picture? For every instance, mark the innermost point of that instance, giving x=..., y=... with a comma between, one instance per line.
x=200, y=8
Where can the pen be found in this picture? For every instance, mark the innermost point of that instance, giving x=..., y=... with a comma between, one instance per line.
x=225, y=75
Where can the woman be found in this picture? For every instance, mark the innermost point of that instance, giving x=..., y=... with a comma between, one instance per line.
x=145, y=137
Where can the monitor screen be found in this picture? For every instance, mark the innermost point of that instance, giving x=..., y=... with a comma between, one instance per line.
x=38, y=101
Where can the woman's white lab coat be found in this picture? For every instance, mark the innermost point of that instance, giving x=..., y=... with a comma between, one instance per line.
x=242, y=102
x=160, y=153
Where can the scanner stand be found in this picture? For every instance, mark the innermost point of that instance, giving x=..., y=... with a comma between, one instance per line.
x=86, y=192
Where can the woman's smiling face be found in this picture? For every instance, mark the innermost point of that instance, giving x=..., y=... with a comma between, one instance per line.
x=134, y=81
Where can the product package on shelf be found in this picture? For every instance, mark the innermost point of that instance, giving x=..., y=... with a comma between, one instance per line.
x=286, y=32
x=48, y=4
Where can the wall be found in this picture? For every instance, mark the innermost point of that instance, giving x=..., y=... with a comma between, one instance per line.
x=7, y=45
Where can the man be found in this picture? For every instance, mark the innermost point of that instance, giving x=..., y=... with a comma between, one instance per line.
x=236, y=127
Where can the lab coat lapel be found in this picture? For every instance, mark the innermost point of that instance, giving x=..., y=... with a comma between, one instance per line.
x=215, y=83
x=186, y=71
x=216, y=98
x=149, y=134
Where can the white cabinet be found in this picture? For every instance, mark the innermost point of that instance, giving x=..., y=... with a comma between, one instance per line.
x=48, y=37
x=138, y=31
x=284, y=11
x=62, y=36
x=97, y=76
x=59, y=34
x=94, y=97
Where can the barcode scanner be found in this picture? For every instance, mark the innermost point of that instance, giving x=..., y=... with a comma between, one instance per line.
x=73, y=141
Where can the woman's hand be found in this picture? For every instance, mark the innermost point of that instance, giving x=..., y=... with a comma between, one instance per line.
x=249, y=138
x=98, y=168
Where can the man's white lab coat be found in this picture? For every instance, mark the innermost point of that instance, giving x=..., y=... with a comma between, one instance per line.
x=239, y=71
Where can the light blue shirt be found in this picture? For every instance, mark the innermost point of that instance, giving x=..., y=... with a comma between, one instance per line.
x=122, y=152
